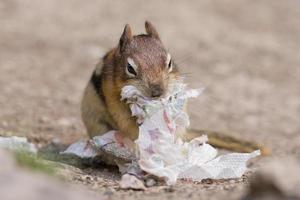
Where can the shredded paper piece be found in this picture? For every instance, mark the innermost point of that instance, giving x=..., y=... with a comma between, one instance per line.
x=159, y=149
x=17, y=143
x=82, y=149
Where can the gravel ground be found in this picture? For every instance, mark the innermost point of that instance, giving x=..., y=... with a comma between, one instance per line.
x=245, y=52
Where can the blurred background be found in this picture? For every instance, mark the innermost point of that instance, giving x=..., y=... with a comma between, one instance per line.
x=245, y=53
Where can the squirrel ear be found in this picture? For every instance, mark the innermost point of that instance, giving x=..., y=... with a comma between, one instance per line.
x=125, y=38
x=151, y=30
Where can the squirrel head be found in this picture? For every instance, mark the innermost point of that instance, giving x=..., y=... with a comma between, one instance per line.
x=143, y=61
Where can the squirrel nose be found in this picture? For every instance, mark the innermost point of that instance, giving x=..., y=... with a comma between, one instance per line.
x=156, y=90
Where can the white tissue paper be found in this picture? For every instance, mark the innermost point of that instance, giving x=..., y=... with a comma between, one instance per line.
x=82, y=149
x=159, y=149
x=163, y=154
x=17, y=143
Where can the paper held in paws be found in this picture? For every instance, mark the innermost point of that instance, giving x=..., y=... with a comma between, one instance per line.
x=158, y=150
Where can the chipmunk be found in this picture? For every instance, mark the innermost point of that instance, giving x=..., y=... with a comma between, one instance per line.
x=141, y=61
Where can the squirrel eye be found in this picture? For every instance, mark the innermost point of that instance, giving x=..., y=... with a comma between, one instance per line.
x=130, y=70
x=170, y=66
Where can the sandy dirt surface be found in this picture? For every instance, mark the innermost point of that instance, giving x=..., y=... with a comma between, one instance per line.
x=246, y=54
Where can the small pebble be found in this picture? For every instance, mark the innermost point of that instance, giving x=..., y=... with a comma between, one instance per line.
x=131, y=182
x=150, y=182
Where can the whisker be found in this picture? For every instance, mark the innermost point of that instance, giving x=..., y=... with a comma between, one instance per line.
x=188, y=75
x=184, y=59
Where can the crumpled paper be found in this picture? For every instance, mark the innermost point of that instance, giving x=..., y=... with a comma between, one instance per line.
x=111, y=143
x=17, y=143
x=163, y=154
x=159, y=149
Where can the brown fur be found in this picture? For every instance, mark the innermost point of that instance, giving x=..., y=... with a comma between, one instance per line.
x=102, y=109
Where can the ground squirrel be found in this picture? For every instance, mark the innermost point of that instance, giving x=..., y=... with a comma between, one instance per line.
x=141, y=61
